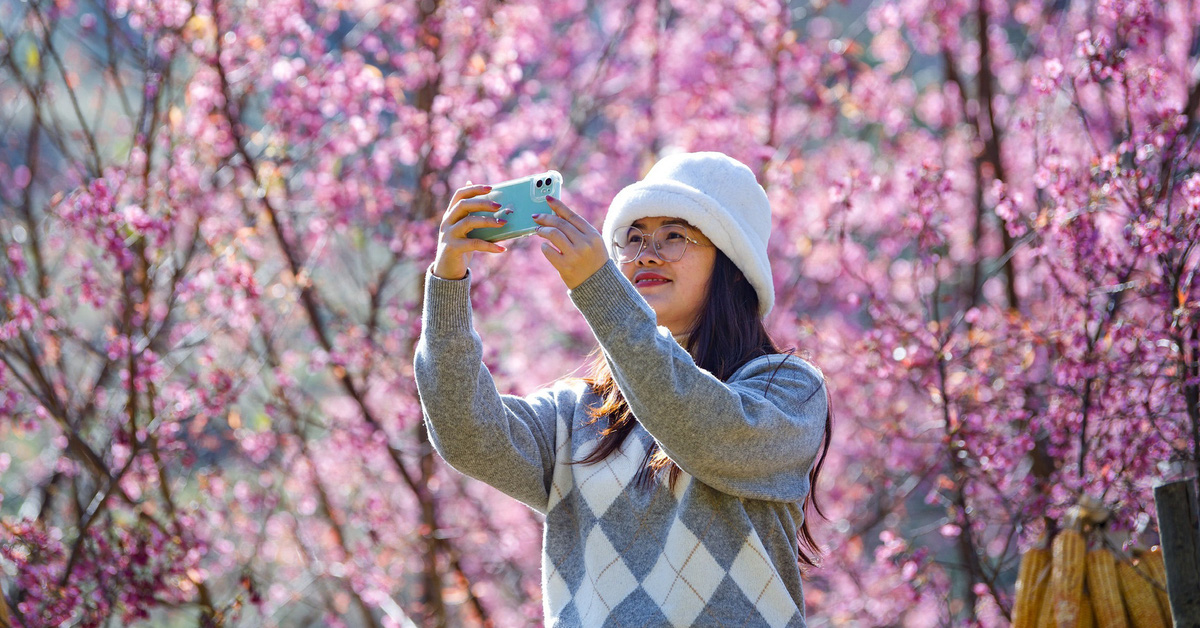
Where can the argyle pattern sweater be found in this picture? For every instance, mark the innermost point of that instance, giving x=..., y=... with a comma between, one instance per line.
x=719, y=549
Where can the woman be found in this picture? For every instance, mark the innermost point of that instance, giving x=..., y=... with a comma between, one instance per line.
x=674, y=480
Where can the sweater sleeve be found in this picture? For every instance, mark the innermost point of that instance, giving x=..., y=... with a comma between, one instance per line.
x=754, y=436
x=503, y=440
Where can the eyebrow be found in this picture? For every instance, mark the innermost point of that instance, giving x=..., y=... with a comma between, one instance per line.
x=670, y=221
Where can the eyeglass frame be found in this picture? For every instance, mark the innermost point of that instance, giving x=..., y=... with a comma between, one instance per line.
x=643, y=246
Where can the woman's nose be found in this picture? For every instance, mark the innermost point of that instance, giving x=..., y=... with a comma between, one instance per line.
x=648, y=253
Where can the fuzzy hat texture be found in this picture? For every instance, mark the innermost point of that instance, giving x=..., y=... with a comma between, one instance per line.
x=716, y=194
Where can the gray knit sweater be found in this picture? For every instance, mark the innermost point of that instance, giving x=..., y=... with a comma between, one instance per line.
x=717, y=550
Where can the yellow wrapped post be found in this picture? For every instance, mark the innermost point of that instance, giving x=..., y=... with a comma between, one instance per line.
x=1151, y=564
x=1087, y=614
x=1104, y=590
x=1138, y=593
x=1045, y=618
x=1068, y=563
x=1033, y=579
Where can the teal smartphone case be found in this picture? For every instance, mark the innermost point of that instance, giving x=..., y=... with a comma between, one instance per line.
x=519, y=200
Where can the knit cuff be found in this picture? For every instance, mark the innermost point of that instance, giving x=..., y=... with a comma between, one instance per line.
x=606, y=299
x=447, y=304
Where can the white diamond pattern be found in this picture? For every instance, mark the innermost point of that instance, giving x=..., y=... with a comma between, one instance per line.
x=557, y=593
x=684, y=577
x=608, y=580
x=602, y=483
x=682, y=485
x=756, y=577
x=564, y=477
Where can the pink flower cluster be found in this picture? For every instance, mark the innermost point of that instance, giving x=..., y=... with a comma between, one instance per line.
x=115, y=571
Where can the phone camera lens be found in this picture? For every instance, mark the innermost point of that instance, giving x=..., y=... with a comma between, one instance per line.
x=539, y=183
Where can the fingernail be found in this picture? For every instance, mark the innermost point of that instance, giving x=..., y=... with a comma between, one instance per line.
x=495, y=204
x=550, y=198
x=536, y=216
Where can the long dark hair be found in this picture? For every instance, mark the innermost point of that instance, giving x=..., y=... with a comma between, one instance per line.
x=727, y=334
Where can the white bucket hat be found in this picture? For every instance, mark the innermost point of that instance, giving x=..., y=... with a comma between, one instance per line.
x=716, y=194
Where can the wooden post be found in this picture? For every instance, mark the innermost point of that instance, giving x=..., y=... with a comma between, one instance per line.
x=1179, y=529
x=5, y=622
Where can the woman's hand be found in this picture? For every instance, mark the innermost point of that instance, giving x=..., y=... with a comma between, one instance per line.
x=572, y=244
x=454, y=247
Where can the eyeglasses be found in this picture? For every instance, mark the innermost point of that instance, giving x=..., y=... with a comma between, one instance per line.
x=670, y=243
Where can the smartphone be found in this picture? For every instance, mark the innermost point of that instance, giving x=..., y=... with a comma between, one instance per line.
x=519, y=200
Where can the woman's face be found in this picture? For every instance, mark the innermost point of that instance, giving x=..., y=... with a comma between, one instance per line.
x=675, y=290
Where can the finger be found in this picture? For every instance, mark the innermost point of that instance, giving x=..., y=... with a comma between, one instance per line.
x=463, y=246
x=553, y=255
x=555, y=237
x=460, y=229
x=483, y=246
x=469, y=191
x=567, y=214
x=461, y=209
x=550, y=221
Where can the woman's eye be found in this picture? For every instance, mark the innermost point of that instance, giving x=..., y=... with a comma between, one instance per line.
x=674, y=235
x=633, y=239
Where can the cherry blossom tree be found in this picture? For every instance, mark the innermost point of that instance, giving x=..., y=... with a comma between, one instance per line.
x=216, y=217
x=1015, y=235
